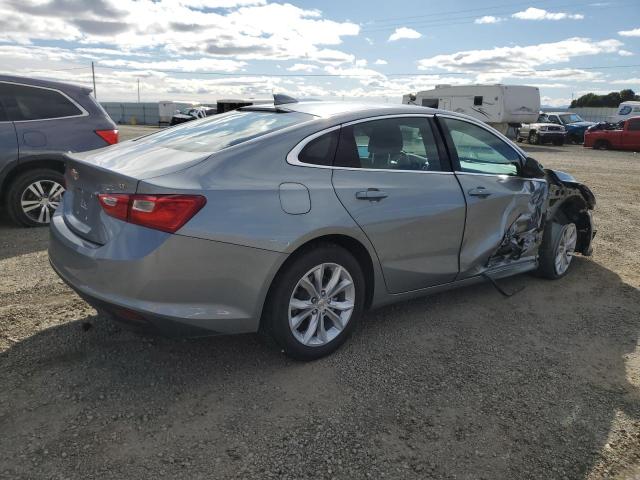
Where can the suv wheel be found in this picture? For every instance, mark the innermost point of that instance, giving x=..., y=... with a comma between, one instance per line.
x=316, y=302
x=534, y=139
x=33, y=197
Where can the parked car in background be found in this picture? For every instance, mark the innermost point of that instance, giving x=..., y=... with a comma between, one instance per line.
x=626, y=110
x=625, y=136
x=294, y=218
x=41, y=121
x=574, y=125
x=542, y=131
x=191, y=113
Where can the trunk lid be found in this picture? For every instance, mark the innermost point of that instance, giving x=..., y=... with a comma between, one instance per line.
x=116, y=169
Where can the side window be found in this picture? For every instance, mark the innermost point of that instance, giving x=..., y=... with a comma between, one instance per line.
x=543, y=119
x=634, y=124
x=3, y=113
x=477, y=101
x=389, y=144
x=480, y=151
x=626, y=110
x=31, y=103
x=554, y=119
x=430, y=102
x=320, y=150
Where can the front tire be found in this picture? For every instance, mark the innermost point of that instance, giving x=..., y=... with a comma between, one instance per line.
x=557, y=249
x=33, y=196
x=316, y=302
x=534, y=139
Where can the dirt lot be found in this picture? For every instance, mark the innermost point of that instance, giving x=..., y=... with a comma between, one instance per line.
x=464, y=384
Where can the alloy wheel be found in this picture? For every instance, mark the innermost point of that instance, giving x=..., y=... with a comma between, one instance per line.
x=566, y=248
x=40, y=199
x=321, y=304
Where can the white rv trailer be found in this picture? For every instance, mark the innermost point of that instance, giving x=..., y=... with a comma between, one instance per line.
x=166, y=109
x=500, y=106
x=626, y=110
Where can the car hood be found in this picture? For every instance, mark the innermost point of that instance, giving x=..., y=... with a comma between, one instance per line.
x=580, y=125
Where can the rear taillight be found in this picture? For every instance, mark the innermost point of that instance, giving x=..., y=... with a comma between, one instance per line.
x=109, y=136
x=161, y=212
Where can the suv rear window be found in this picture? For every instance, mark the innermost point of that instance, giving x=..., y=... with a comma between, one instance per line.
x=216, y=132
x=23, y=102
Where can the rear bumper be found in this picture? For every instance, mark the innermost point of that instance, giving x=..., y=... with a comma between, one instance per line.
x=176, y=284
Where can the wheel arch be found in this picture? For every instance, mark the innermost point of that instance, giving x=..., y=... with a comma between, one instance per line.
x=21, y=167
x=354, y=246
x=575, y=209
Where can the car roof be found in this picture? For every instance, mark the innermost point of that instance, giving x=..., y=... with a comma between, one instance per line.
x=331, y=109
x=36, y=82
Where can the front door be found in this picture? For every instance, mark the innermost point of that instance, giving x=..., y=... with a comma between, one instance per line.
x=398, y=187
x=631, y=137
x=504, y=210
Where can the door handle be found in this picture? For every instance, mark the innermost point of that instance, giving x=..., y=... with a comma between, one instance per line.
x=479, y=192
x=372, y=194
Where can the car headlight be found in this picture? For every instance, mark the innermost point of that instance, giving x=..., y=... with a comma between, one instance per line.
x=542, y=128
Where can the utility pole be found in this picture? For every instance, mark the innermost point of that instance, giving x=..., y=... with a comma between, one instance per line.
x=93, y=74
x=138, y=90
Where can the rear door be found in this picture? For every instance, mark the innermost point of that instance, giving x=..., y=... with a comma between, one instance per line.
x=8, y=142
x=397, y=185
x=47, y=121
x=631, y=135
x=504, y=210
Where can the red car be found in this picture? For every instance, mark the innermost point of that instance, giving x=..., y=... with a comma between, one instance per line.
x=625, y=138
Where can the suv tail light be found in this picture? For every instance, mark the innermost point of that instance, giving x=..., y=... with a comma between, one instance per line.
x=109, y=136
x=160, y=212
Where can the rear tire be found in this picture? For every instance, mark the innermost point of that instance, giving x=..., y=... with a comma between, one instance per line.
x=601, y=145
x=557, y=249
x=33, y=196
x=309, y=324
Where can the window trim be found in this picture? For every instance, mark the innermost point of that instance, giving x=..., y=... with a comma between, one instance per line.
x=454, y=156
x=83, y=111
x=292, y=156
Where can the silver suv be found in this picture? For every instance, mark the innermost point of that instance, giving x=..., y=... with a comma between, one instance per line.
x=40, y=121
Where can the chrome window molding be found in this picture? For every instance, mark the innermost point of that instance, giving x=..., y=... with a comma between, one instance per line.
x=292, y=156
x=83, y=113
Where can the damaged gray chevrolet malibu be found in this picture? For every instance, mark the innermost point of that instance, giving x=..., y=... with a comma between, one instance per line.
x=294, y=218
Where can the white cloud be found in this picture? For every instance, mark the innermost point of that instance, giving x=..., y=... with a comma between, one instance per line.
x=627, y=81
x=625, y=53
x=404, y=32
x=185, y=65
x=533, y=13
x=487, y=19
x=302, y=67
x=555, y=102
x=630, y=33
x=380, y=61
x=240, y=29
x=523, y=60
x=361, y=62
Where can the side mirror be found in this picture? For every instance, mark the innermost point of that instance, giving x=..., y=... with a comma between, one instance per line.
x=532, y=169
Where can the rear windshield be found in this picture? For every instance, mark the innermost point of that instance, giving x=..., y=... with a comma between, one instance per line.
x=216, y=132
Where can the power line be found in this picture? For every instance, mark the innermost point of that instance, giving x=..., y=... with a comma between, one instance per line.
x=339, y=75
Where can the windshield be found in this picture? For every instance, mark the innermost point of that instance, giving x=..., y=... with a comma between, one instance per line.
x=216, y=132
x=570, y=118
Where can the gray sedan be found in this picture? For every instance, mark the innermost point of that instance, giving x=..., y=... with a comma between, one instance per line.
x=295, y=218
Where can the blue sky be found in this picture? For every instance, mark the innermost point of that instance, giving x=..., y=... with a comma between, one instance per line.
x=371, y=51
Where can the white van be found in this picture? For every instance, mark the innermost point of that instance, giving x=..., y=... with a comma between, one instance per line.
x=500, y=106
x=626, y=110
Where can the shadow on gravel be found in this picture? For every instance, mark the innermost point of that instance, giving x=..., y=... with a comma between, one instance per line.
x=540, y=148
x=16, y=240
x=464, y=384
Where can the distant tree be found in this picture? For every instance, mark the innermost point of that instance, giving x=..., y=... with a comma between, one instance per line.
x=612, y=99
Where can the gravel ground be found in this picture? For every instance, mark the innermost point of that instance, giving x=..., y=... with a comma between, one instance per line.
x=464, y=384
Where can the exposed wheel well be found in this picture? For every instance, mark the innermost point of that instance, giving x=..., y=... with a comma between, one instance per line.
x=353, y=246
x=574, y=209
x=32, y=165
